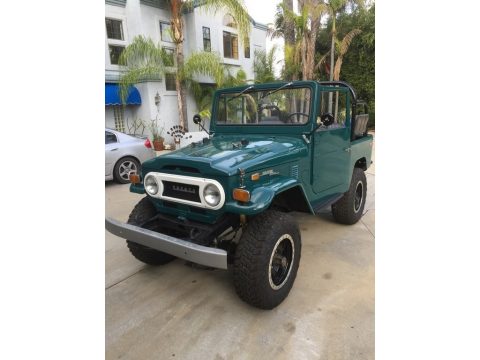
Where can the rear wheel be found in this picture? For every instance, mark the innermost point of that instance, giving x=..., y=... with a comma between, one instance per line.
x=267, y=259
x=142, y=212
x=124, y=167
x=349, y=209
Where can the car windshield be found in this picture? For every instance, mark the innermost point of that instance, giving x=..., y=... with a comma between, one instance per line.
x=283, y=105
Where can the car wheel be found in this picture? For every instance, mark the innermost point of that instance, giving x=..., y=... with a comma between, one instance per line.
x=266, y=259
x=349, y=209
x=141, y=213
x=123, y=167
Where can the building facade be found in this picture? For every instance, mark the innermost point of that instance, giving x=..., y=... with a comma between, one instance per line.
x=125, y=19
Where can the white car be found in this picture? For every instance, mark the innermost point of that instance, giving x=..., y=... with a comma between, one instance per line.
x=124, y=154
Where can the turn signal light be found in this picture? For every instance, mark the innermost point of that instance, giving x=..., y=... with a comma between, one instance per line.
x=134, y=178
x=241, y=195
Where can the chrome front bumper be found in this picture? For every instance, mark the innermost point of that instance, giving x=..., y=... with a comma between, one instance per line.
x=182, y=249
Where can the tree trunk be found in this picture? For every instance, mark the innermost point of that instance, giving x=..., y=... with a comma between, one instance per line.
x=181, y=92
x=332, y=60
x=289, y=34
x=178, y=37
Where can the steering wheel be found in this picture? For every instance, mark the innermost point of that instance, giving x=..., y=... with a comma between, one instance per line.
x=327, y=119
x=296, y=113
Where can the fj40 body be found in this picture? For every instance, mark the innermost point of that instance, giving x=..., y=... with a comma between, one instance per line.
x=225, y=202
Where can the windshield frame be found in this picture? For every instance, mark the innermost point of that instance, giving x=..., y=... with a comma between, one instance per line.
x=225, y=127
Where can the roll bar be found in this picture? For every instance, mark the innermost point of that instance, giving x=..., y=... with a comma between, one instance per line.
x=340, y=83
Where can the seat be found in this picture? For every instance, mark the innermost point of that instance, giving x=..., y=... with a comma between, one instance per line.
x=361, y=122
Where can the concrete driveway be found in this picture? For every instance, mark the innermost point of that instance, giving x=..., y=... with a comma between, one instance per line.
x=178, y=312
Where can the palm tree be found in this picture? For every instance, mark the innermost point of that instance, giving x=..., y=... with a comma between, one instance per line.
x=334, y=7
x=306, y=26
x=263, y=63
x=149, y=56
x=208, y=64
x=342, y=50
x=235, y=7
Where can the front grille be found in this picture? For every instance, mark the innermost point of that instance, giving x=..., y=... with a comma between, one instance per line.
x=181, y=191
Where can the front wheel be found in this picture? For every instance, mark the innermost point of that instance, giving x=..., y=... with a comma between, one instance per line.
x=267, y=259
x=142, y=212
x=349, y=209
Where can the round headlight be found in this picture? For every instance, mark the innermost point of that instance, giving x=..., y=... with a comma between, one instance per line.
x=151, y=185
x=211, y=194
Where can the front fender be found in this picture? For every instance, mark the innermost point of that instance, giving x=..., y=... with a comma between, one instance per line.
x=260, y=198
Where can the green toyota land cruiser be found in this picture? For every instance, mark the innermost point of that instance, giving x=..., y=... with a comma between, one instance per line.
x=224, y=202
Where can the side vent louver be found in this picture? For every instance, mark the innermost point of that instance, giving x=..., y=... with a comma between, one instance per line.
x=294, y=171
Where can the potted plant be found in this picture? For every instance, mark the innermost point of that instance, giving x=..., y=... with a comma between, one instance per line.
x=156, y=131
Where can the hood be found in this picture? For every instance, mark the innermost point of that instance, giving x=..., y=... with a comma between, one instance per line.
x=225, y=154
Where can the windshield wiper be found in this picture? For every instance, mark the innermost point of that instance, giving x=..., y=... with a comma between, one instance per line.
x=241, y=93
x=274, y=91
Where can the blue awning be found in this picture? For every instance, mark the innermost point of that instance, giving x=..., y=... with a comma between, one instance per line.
x=112, y=95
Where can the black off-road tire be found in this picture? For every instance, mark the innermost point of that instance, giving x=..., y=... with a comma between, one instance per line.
x=254, y=254
x=349, y=209
x=143, y=211
x=130, y=162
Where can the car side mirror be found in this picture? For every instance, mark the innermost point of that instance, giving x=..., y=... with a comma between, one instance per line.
x=197, y=119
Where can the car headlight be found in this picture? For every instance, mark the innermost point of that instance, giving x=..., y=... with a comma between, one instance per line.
x=211, y=194
x=151, y=185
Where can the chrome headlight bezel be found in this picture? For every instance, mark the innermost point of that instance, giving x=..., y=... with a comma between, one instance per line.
x=149, y=182
x=211, y=191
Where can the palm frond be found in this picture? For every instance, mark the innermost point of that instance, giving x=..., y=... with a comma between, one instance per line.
x=143, y=60
x=263, y=65
x=322, y=60
x=278, y=29
x=203, y=63
x=347, y=40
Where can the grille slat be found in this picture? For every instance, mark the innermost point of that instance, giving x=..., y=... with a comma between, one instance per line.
x=181, y=191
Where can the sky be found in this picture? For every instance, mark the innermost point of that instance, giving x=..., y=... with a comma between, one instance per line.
x=263, y=11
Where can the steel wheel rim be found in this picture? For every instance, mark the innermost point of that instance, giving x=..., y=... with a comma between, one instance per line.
x=126, y=168
x=358, y=198
x=281, y=260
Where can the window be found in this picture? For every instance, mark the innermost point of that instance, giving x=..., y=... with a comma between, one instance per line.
x=230, y=45
x=247, y=48
x=114, y=29
x=115, y=52
x=165, y=31
x=334, y=103
x=288, y=106
x=118, y=115
x=229, y=21
x=170, y=59
x=170, y=84
x=110, y=138
x=207, y=46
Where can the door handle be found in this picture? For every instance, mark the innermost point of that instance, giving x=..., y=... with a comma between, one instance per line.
x=114, y=149
x=347, y=149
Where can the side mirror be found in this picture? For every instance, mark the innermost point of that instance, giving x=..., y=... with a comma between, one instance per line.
x=197, y=119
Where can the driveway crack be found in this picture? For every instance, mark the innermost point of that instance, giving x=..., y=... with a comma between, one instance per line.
x=118, y=282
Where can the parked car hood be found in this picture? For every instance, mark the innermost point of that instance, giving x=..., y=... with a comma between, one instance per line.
x=225, y=154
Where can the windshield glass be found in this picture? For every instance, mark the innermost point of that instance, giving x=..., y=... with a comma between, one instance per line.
x=287, y=106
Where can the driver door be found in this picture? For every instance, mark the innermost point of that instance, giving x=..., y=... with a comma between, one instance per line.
x=331, y=153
